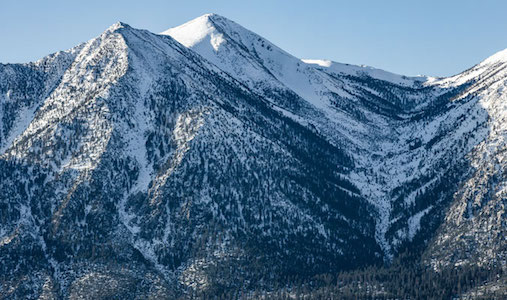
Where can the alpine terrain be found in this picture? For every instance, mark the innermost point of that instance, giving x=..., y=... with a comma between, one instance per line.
x=206, y=162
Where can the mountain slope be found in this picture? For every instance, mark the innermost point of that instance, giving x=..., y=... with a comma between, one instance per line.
x=146, y=155
x=155, y=165
x=409, y=136
x=474, y=230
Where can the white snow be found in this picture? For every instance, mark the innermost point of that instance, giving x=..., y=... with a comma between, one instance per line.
x=414, y=222
x=193, y=32
x=363, y=70
x=196, y=32
x=319, y=62
x=499, y=57
x=25, y=117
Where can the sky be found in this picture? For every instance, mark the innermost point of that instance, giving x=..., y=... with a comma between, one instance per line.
x=437, y=38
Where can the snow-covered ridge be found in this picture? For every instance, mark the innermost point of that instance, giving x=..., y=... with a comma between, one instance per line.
x=204, y=29
x=142, y=146
x=499, y=57
x=363, y=70
x=377, y=140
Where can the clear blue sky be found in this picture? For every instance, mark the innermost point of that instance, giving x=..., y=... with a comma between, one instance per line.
x=409, y=37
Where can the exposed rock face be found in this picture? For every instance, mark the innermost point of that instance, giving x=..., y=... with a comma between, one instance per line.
x=136, y=165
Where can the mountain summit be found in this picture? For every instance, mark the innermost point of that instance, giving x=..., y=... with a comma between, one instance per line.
x=201, y=30
x=206, y=160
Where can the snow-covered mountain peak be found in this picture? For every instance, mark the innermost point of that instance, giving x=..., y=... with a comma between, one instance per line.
x=116, y=26
x=197, y=31
x=499, y=57
x=492, y=68
x=214, y=30
x=249, y=57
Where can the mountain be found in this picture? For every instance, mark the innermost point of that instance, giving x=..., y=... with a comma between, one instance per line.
x=205, y=160
x=409, y=136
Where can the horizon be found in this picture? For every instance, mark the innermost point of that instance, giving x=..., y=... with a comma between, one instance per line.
x=385, y=41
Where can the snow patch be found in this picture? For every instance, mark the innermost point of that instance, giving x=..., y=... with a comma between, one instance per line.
x=414, y=222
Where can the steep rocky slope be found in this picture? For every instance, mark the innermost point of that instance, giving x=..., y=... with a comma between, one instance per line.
x=145, y=159
x=144, y=165
x=409, y=136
